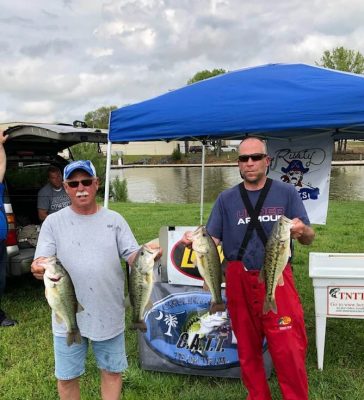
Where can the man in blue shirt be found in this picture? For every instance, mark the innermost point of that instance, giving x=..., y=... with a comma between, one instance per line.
x=4, y=321
x=242, y=219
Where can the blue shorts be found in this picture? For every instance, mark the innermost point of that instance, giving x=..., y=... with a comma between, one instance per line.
x=70, y=360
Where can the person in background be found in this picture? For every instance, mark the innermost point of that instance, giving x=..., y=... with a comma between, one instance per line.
x=52, y=197
x=89, y=241
x=4, y=320
x=242, y=219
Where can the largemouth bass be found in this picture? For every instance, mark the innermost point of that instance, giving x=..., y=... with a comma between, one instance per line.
x=200, y=325
x=141, y=284
x=209, y=266
x=61, y=297
x=277, y=252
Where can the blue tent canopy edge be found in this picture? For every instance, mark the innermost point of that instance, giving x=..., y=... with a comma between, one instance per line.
x=273, y=101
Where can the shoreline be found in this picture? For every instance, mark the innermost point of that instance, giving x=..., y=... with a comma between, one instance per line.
x=124, y=166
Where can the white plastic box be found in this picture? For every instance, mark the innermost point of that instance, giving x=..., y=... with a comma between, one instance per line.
x=338, y=281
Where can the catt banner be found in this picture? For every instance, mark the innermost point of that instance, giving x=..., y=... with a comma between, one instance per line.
x=183, y=337
x=305, y=164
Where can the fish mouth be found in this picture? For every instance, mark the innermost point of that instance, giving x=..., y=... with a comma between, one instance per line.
x=285, y=219
x=54, y=278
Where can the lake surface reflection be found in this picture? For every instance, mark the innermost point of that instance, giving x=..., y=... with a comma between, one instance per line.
x=183, y=184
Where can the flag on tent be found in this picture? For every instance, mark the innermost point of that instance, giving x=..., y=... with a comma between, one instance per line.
x=305, y=164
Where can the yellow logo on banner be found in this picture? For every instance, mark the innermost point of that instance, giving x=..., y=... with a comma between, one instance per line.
x=189, y=256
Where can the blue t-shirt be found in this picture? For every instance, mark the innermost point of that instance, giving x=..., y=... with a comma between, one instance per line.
x=229, y=219
x=3, y=220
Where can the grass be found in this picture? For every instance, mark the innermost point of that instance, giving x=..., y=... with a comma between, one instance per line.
x=26, y=354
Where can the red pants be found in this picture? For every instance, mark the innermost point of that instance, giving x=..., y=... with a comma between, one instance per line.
x=285, y=333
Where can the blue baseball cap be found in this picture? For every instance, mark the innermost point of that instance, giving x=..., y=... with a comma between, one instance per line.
x=84, y=165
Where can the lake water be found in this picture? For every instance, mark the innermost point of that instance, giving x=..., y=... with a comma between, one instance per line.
x=183, y=184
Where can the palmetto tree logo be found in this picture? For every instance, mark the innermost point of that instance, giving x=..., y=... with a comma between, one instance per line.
x=171, y=321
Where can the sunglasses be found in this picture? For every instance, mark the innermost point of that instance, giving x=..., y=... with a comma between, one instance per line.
x=254, y=157
x=75, y=184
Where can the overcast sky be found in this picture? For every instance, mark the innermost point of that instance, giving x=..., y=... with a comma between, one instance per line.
x=63, y=58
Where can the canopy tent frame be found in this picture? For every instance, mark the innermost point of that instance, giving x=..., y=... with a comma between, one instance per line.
x=273, y=101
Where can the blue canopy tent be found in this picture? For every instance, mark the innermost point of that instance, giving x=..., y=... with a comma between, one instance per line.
x=273, y=101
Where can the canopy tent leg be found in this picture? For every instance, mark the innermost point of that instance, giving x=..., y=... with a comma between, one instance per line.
x=202, y=182
x=107, y=175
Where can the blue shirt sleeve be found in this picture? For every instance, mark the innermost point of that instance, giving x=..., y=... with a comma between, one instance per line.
x=297, y=208
x=215, y=221
x=3, y=219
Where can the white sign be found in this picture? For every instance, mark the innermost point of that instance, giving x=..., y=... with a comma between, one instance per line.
x=345, y=301
x=181, y=268
x=305, y=164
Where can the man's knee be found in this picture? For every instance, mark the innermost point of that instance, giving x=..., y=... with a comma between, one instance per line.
x=69, y=383
x=111, y=375
x=69, y=389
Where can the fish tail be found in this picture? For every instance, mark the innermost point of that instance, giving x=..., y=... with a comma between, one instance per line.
x=215, y=307
x=73, y=337
x=140, y=325
x=270, y=305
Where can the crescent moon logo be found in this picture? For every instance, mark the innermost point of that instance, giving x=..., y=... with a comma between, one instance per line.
x=160, y=316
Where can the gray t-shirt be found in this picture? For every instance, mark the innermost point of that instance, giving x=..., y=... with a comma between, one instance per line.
x=90, y=248
x=52, y=199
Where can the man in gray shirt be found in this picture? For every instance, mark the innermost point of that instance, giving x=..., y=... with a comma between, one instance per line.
x=89, y=241
x=52, y=197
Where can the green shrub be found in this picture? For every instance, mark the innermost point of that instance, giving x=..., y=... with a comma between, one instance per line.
x=119, y=189
x=176, y=154
x=91, y=151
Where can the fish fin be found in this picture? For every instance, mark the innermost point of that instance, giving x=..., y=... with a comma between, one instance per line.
x=280, y=280
x=59, y=319
x=73, y=337
x=79, y=308
x=216, y=307
x=270, y=305
x=205, y=286
x=140, y=325
x=261, y=277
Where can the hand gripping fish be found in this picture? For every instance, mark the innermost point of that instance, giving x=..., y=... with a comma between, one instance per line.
x=209, y=265
x=141, y=284
x=61, y=297
x=277, y=252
